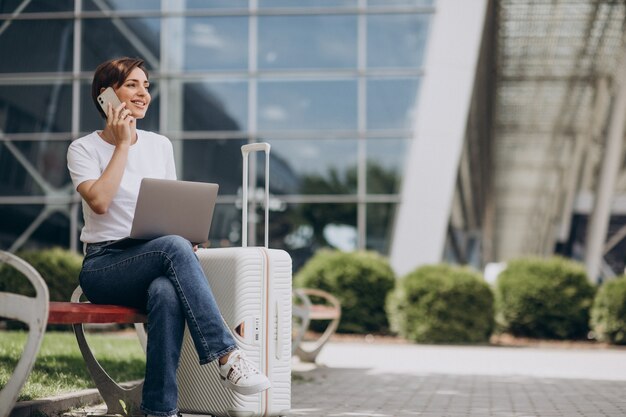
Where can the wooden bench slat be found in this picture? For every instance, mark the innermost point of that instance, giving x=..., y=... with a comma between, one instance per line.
x=74, y=313
x=319, y=312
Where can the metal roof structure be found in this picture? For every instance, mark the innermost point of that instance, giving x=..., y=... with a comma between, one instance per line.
x=557, y=77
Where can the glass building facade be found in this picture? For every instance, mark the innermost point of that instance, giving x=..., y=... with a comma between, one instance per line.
x=332, y=85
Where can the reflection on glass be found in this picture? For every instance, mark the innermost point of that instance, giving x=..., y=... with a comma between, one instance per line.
x=391, y=103
x=215, y=105
x=91, y=120
x=400, y=2
x=23, y=50
x=380, y=218
x=14, y=177
x=300, y=105
x=212, y=161
x=216, y=43
x=216, y=4
x=396, y=40
x=54, y=230
x=386, y=159
x=121, y=5
x=48, y=158
x=105, y=39
x=14, y=219
x=321, y=166
x=225, y=226
x=307, y=41
x=10, y=6
x=307, y=3
x=301, y=229
x=36, y=108
x=51, y=162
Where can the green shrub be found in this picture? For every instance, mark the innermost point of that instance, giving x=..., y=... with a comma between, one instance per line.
x=360, y=280
x=608, y=314
x=544, y=298
x=58, y=267
x=442, y=304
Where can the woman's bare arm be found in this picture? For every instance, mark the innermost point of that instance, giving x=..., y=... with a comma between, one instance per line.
x=99, y=193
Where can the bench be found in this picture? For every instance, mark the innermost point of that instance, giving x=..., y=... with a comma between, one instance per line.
x=304, y=309
x=37, y=312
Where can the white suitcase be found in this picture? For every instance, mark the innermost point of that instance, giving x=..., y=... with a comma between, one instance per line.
x=252, y=286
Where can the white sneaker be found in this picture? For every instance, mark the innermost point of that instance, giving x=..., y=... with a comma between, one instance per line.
x=241, y=376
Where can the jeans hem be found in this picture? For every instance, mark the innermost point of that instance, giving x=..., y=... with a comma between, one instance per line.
x=159, y=413
x=212, y=357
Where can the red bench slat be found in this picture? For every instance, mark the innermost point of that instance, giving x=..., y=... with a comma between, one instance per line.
x=73, y=313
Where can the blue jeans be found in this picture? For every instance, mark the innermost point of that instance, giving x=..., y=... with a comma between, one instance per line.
x=162, y=276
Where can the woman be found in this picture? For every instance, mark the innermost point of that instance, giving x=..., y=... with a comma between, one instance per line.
x=163, y=275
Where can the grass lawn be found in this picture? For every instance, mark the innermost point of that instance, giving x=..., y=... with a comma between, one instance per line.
x=59, y=367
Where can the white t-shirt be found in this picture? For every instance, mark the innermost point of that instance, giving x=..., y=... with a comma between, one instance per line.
x=151, y=156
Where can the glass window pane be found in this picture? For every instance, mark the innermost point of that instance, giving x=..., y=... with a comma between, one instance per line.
x=10, y=6
x=216, y=43
x=36, y=108
x=105, y=39
x=212, y=160
x=301, y=105
x=123, y=5
x=91, y=120
x=400, y=2
x=307, y=3
x=320, y=166
x=46, y=157
x=301, y=229
x=22, y=42
x=379, y=226
x=386, y=159
x=14, y=219
x=391, y=103
x=396, y=40
x=225, y=226
x=216, y=4
x=215, y=105
x=307, y=41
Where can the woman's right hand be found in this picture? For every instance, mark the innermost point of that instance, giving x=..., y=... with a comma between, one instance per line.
x=120, y=123
x=120, y=129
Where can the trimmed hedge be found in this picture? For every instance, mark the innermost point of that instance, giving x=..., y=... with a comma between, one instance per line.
x=360, y=280
x=608, y=313
x=442, y=304
x=58, y=267
x=544, y=298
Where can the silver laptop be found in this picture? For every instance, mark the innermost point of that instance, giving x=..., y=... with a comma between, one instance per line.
x=170, y=207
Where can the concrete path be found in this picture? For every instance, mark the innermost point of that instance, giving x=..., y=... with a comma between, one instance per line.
x=384, y=380
x=355, y=379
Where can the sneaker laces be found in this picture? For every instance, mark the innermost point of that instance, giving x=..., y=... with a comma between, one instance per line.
x=240, y=368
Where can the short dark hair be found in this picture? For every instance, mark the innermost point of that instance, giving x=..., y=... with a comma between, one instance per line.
x=113, y=73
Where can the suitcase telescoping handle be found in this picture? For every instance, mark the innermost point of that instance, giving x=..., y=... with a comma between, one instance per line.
x=245, y=151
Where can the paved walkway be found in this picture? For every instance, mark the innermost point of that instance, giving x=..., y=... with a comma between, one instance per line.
x=355, y=379
x=382, y=380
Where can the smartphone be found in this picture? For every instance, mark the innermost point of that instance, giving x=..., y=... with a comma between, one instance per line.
x=108, y=96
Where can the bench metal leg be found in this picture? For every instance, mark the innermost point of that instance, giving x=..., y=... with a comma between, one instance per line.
x=308, y=351
x=119, y=400
x=302, y=313
x=32, y=311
